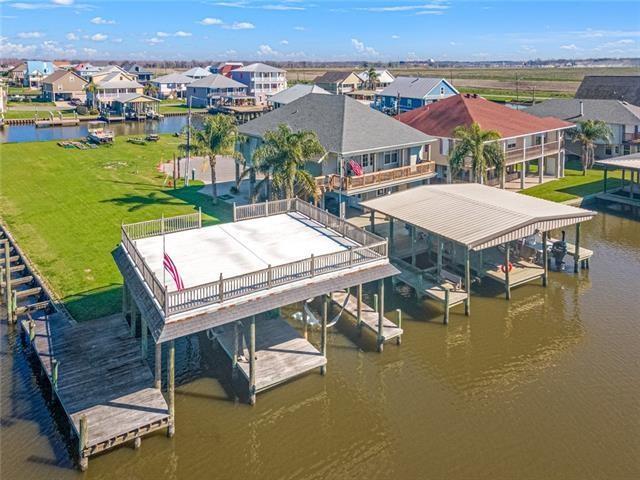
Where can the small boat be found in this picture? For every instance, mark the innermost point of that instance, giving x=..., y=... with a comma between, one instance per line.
x=98, y=133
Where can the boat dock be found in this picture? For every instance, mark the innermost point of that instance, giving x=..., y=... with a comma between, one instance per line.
x=57, y=122
x=281, y=354
x=371, y=318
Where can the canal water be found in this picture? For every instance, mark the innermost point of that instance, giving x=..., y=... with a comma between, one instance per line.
x=29, y=133
x=544, y=386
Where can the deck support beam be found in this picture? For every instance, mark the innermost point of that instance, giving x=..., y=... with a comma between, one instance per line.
x=305, y=322
x=391, y=232
x=545, y=259
x=252, y=361
x=506, y=270
x=467, y=281
x=372, y=221
x=359, y=312
x=323, y=331
x=236, y=350
x=157, y=380
x=439, y=246
x=171, y=387
x=576, y=257
x=380, y=338
x=413, y=244
x=83, y=436
x=604, y=181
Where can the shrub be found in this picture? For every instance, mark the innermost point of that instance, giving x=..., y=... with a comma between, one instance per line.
x=82, y=110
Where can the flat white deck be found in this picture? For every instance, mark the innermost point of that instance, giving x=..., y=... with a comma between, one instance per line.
x=231, y=249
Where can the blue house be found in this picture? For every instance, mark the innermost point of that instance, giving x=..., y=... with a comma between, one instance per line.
x=37, y=70
x=411, y=93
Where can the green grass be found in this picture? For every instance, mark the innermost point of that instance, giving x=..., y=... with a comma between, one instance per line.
x=31, y=104
x=23, y=91
x=512, y=95
x=180, y=108
x=43, y=114
x=65, y=207
x=574, y=184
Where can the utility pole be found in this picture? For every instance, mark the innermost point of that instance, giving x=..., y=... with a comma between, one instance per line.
x=517, y=90
x=533, y=100
x=188, y=166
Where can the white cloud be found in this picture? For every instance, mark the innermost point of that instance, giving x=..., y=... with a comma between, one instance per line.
x=99, y=37
x=89, y=51
x=30, y=35
x=284, y=42
x=362, y=48
x=102, y=21
x=210, y=21
x=240, y=26
x=571, y=47
x=71, y=36
x=63, y=2
x=231, y=52
x=266, y=50
x=41, y=5
x=180, y=33
x=162, y=34
x=430, y=12
x=15, y=49
x=154, y=41
x=419, y=9
x=299, y=28
x=117, y=40
x=282, y=7
x=395, y=37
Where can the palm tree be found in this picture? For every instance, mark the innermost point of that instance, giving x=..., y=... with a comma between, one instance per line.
x=587, y=134
x=481, y=146
x=92, y=88
x=218, y=136
x=372, y=78
x=150, y=89
x=281, y=158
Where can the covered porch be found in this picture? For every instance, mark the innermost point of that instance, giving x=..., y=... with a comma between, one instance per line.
x=627, y=194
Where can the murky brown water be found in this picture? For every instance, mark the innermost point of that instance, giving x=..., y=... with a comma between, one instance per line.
x=544, y=386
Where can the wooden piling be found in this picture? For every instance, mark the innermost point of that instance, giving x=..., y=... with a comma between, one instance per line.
x=447, y=295
x=359, y=309
x=236, y=351
x=399, y=318
x=545, y=259
x=372, y=220
x=252, y=361
x=54, y=374
x=576, y=255
x=171, y=386
x=506, y=270
x=137, y=442
x=380, y=315
x=305, y=321
x=32, y=331
x=157, y=379
x=323, y=333
x=467, y=281
x=83, y=435
x=375, y=302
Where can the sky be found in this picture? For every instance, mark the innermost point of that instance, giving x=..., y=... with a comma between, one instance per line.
x=316, y=30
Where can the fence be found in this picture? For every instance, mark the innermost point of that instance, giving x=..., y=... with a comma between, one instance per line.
x=152, y=228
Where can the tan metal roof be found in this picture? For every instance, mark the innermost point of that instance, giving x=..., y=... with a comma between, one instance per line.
x=474, y=215
x=628, y=162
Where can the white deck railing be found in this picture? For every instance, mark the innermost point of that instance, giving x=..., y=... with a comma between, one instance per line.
x=368, y=248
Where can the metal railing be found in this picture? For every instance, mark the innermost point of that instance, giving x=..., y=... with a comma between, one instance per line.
x=351, y=182
x=368, y=248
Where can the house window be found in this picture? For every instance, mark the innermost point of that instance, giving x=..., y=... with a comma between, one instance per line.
x=511, y=144
x=390, y=157
x=441, y=90
x=627, y=149
x=367, y=160
x=616, y=149
x=444, y=146
x=607, y=150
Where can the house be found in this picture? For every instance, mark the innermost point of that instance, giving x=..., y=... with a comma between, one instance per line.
x=287, y=96
x=339, y=82
x=86, y=70
x=610, y=87
x=261, y=80
x=36, y=71
x=110, y=82
x=16, y=74
x=173, y=85
x=64, y=85
x=210, y=90
x=524, y=138
x=142, y=74
x=225, y=68
x=407, y=93
x=196, y=73
x=383, y=80
x=133, y=105
x=622, y=118
x=367, y=153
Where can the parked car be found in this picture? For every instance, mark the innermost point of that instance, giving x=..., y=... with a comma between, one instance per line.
x=75, y=102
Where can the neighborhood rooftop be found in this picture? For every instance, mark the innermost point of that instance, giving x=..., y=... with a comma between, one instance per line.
x=343, y=125
x=441, y=118
x=216, y=81
x=173, y=78
x=608, y=111
x=259, y=67
x=612, y=87
x=411, y=87
x=293, y=93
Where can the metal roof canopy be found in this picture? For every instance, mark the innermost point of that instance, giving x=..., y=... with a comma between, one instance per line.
x=476, y=216
x=626, y=162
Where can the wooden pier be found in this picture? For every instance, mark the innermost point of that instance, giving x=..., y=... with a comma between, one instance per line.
x=281, y=354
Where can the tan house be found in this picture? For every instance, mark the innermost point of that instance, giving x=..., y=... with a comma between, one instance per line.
x=112, y=82
x=63, y=85
x=17, y=73
x=339, y=82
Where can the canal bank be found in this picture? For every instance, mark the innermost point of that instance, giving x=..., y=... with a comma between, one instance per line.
x=544, y=386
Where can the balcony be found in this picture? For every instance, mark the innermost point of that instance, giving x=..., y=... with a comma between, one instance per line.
x=532, y=152
x=632, y=137
x=383, y=178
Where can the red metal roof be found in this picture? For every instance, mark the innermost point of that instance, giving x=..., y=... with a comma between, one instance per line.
x=442, y=117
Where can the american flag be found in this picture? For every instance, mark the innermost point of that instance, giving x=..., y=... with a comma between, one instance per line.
x=356, y=168
x=170, y=267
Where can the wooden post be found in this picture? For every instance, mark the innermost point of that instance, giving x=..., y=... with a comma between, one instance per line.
x=235, y=216
x=399, y=317
x=54, y=374
x=413, y=245
x=545, y=259
x=323, y=332
x=372, y=220
x=157, y=383
x=252, y=361
x=359, y=307
x=439, y=246
x=391, y=232
x=221, y=288
x=82, y=442
x=375, y=302
x=171, y=387
x=606, y=172
x=305, y=321
x=32, y=331
x=577, y=247
x=467, y=281
x=381, y=315
x=506, y=270
x=125, y=300
x=7, y=281
x=445, y=320
x=143, y=336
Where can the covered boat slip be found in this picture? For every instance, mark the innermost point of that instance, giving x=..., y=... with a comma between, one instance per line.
x=628, y=193
x=460, y=230
x=274, y=254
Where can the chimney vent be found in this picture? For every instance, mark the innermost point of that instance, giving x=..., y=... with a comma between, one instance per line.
x=581, y=108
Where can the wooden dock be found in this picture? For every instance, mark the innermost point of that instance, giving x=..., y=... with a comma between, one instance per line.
x=368, y=317
x=281, y=353
x=522, y=272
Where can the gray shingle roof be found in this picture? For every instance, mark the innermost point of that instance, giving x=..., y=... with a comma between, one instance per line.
x=610, y=87
x=293, y=93
x=333, y=76
x=173, y=78
x=217, y=81
x=411, y=87
x=609, y=111
x=342, y=124
x=197, y=72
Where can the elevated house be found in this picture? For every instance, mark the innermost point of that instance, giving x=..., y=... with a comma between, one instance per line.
x=225, y=68
x=142, y=74
x=367, y=154
x=385, y=78
x=86, y=70
x=622, y=118
x=196, y=73
x=526, y=139
x=291, y=94
x=36, y=71
x=64, y=85
x=214, y=89
x=408, y=93
x=339, y=82
x=173, y=85
x=110, y=83
x=610, y=87
x=261, y=80
x=17, y=73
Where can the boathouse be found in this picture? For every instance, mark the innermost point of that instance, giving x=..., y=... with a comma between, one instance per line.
x=628, y=192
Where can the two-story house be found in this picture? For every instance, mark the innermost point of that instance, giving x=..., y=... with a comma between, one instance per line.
x=213, y=89
x=225, y=68
x=173, y=85
x=622, y=118
x=525, y=139
x=293, y=93
x=408, y=93
x=197, y=73
x=63, y=85
x=111, y=82
x=261, y=80
x=339, y=82
x=383, y=79
x=368, y=154
x=142, y=74
x=36, y=71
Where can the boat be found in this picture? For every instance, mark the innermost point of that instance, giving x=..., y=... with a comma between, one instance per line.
x=98, y=133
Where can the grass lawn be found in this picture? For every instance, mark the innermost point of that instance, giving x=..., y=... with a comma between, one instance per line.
x=574, y=184
x=43, y=114
x=512, y=95
x=65, y=207
x=180, y=108
x=32, y=92
x=31, y=104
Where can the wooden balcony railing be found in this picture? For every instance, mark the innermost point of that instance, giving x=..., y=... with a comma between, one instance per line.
x=532, y=152
x=368, y=248
x=353, y=182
